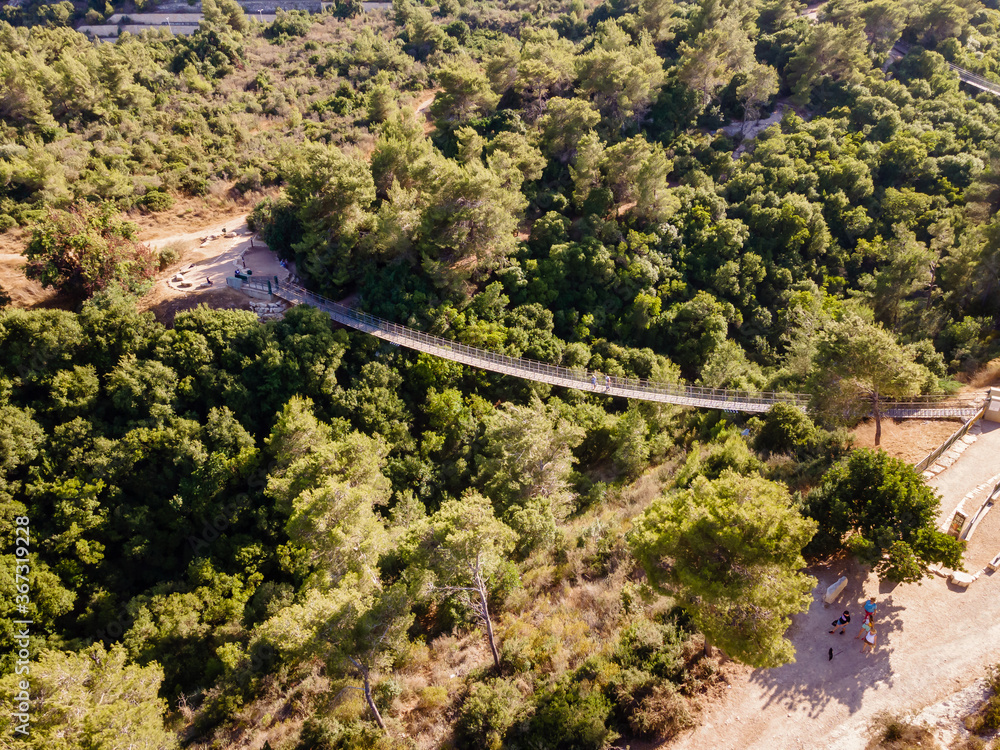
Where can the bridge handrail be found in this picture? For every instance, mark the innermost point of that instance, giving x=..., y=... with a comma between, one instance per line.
x=970, y=77
x=967, y=76
x=678, y=393
x=580, y=376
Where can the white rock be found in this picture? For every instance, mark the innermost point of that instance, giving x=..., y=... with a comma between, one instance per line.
x=961, y=579
x=834, y=591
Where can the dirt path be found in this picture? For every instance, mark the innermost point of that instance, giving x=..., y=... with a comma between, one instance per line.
x=159, y=238
x=426, y=101
x=23, y=292
x=934, y=640
x=423, y=107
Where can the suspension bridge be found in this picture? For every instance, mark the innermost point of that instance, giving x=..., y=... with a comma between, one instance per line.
x=930, y=407
x=969, y=78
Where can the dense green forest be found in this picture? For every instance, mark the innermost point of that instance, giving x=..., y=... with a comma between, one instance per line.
x=292, y=532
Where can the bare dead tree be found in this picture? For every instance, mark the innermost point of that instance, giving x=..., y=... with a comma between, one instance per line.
x=377, y=632
x=475, y=597
x=367, y=690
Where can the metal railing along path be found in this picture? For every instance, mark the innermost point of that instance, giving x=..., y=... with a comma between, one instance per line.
x=976, y=81
x=541, y=372
x=935, y=454
x=947, y=412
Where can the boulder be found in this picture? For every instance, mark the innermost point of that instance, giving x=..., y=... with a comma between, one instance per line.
x=835, y=590
x=961, y=579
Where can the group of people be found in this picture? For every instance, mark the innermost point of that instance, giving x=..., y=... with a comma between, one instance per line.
x=607, y=382
x=867, y=627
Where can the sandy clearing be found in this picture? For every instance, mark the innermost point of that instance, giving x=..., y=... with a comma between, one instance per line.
x=934, y=640
x=906, y=439
x=212, y=260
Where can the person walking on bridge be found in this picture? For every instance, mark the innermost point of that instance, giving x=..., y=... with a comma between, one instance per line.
x=607, y=382
x=593, y=381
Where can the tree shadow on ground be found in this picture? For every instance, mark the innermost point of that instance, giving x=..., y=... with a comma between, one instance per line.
x=814, y=681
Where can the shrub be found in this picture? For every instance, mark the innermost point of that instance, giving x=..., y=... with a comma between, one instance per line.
x=7, y=222
x=894, y=732
x=385, y=692
x=194, y=184
x=432, y=697
x=168, y=256
x=663, y=713
x=330, y=734
x=651, y=647
x=785, y=430
x=287, y=24
x=319, y=734
x=156, y=200
x=571, y=716
x=516, y=655
x=488, y=712
x=347, y=8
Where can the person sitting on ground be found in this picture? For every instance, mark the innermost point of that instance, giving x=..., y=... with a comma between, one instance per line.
x=841, y=622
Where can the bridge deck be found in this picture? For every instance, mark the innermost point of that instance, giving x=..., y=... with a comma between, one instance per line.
x=578, y=378
x=965, y=76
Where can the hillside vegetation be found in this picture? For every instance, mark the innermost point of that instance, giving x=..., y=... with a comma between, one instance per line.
x=284, y=532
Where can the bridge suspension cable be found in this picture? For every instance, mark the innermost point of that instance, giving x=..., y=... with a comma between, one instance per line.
x=528, y=369
x=965, y=76
x=579, y=378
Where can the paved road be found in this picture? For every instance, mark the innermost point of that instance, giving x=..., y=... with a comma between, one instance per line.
x=979, y=463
